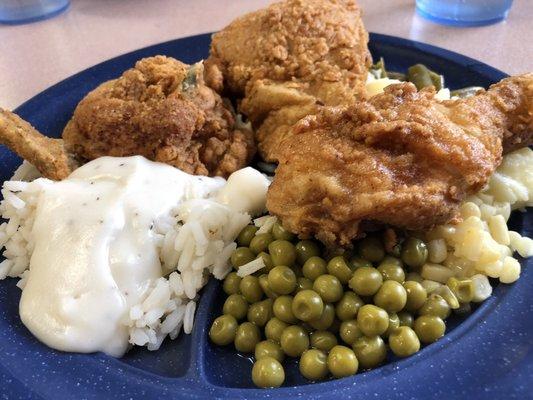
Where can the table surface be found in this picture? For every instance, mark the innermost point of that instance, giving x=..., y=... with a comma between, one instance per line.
x=35, y=56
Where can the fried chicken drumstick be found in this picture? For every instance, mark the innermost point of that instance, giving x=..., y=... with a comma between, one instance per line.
x=48, y=155
x=402, y=159
x=289, y=59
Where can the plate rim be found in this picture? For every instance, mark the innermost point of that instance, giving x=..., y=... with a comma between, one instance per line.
x=464, y=61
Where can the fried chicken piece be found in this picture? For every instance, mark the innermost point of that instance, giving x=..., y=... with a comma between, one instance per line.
x=401, y=158
x=161, y=109
x=46, y=154
x=310, y=52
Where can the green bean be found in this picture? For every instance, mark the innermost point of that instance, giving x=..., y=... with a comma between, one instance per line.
x=397, y=75
x=419, y=75
x=438, y=80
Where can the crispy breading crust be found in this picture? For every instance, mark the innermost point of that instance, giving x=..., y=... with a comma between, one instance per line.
x=297, y=52
x=161, y=109
x=401, y=159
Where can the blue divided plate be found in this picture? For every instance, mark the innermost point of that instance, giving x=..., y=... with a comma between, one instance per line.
x=487, y=355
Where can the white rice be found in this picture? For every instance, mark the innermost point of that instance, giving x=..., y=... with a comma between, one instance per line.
x=194, y=241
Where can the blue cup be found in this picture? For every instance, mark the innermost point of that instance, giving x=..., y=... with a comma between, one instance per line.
x=464, y=12
x=23, y=11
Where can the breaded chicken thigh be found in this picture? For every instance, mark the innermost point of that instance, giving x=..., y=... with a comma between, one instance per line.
x=161, y=109
x=401, y=158
x=297, y=54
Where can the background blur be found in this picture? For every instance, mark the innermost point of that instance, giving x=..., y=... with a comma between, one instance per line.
x=35, y=56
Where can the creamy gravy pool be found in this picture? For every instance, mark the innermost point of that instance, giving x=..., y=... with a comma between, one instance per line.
x=95, y=249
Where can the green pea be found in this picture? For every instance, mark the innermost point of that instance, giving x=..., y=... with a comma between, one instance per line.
x=328, y=287
x=250, y=289
x=282, y=280
x=416, y=295
x=366, y=281
x=414, y=252
x=348, y=306
x=303, y=284
x=231, y=284
x=260, y=242
x=246, y=235
x=406, y=319
x=323, y=340
x=235, y=305
x=241, y=256
x=391, y=269
x=404, y=342
x=391, y=296
x=267, y=260
x=313, y=364
x=435, y=305
x=350, y=332
x=223, y=330
x=358, y=262
x=247, y=337
x=372, y=320
x=326, y=319
x=307, y=305
x=394, y=322
x=371, y=249
x=274, y=328
x=305, y=249
x=269, y=348
x=263, y=282
x=282, y=252
x=342, y=362
x=314, y=267
x=338, y=267
x=260, y=313
x=283, y=309
x=268, y=372
x=429, y=328
x=370, y=351
x=414, y=276
x=280, y=233
x=297, y=271
x=294, y=341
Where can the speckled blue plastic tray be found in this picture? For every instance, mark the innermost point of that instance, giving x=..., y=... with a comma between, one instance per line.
x=489, y=355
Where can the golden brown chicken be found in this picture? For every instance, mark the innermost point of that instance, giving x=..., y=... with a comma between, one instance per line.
x=402, y=159
x=46, y=154
x=161, y=109
x=296, y=54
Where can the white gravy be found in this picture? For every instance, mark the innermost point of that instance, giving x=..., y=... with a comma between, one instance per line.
x=95, y=249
